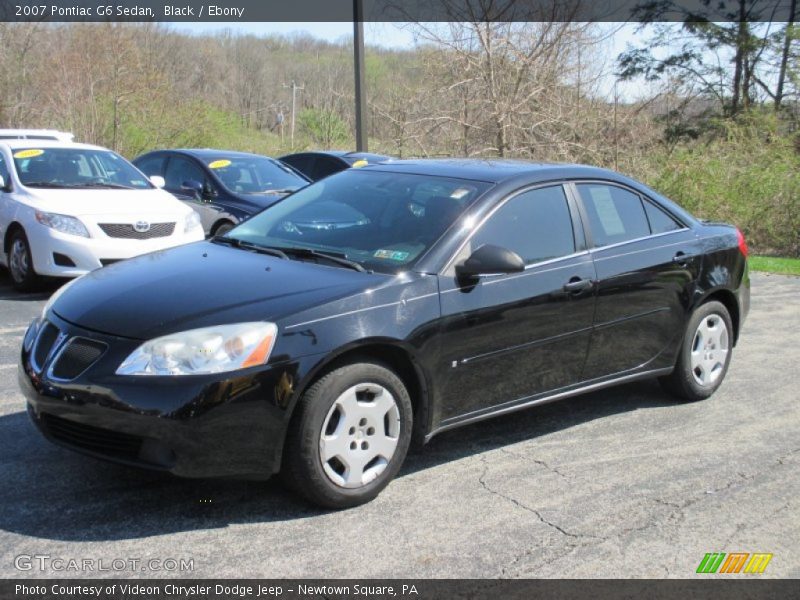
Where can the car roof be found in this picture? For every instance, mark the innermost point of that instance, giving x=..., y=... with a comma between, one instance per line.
x=51, y=134
x=345, y=155
x=492, y=170
x=206, y=153
x=20, y=144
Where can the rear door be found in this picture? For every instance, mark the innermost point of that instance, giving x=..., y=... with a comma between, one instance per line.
x=507, y=338
x=647, y=262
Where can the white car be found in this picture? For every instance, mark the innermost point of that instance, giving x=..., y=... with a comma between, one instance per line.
x=66, y=209
x=36, y=134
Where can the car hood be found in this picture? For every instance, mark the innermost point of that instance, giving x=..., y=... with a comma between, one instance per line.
x=201, y=285
x=89, y=202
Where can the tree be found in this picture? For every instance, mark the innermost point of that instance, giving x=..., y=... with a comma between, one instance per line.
x=723, y=50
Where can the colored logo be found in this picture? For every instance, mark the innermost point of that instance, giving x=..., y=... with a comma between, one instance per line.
x=734, y=562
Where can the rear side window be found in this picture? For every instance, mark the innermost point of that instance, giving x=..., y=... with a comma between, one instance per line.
x=301, y=162
x=535, y=224
x=660, y=221
x=151, y=165
x=324, y=167
x=4, y=169
x=615, y=215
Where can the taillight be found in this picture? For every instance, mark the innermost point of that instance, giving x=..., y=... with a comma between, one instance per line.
x=742, y=242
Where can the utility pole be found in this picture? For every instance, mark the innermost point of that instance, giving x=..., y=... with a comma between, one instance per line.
x=295, y=88
x=361, y=89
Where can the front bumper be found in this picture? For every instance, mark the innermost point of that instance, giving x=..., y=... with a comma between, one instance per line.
x=224, y=425
x=88, y=254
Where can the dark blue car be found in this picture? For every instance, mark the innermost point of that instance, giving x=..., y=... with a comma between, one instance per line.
x=224, y=187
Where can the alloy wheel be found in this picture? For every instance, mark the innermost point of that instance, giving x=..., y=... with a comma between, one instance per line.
x=18, y=260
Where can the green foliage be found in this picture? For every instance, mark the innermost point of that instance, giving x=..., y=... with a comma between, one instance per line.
x=324, y=126
x=748, y=176
x=771, y=264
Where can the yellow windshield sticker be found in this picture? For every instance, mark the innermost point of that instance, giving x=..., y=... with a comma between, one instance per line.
x=360, y=163
x=219, y=164
x=28, y=153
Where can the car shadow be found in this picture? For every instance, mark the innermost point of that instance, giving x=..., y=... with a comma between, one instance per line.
x=7, y=291
x=52, y=493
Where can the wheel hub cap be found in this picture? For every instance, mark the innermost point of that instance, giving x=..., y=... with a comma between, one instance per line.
x=359, y=435
x=18, y=261
x=709, y=350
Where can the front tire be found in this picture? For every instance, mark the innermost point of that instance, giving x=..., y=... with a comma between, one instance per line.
x=704, y=355
x=223, y=228
x=20, y=264
x=349, y=436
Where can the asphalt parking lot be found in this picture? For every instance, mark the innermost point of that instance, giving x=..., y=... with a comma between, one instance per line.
x=619, y=483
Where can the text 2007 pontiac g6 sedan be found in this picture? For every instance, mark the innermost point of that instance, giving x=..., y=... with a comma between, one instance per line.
x=380, y=305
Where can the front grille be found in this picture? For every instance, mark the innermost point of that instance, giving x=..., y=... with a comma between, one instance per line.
x=48, y=333
x=78, y=355
x=126, y=230
x=93, y=439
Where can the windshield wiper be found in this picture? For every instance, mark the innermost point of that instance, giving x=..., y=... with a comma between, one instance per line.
x=279, y=191
x=45, y=184
x=99, y=184
x=334, y=257
x=237, y=243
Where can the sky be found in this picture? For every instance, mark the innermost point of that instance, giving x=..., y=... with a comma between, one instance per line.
x=395, y=35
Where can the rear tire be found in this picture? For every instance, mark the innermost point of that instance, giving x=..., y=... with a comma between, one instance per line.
x=705, y=354
x=20, y=264
x=349, y=436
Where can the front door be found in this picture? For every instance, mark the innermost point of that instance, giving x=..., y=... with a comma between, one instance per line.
x=508, y=338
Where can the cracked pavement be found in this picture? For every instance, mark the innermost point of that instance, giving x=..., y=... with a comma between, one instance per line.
x=619, y=483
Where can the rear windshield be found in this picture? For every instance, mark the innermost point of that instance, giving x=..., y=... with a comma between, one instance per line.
x=76, y=168
x=384, y=221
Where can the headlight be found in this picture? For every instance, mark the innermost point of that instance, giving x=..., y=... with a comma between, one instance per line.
x=192, y=221
x=62, y=223
x=203, y=351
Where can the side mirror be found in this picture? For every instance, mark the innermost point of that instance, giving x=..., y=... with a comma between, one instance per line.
x=490, y=260
x=158, y=181
x=194, y=188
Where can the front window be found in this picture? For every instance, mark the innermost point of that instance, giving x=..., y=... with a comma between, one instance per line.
x=255, y=175
x=383, y=221
x=76, y=168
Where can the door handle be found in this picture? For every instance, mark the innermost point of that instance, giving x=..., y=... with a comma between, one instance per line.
x=576, y=284
x=682, y=258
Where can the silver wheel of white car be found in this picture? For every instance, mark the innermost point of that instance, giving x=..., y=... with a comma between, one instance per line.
x=20, y=263
x=359, y=435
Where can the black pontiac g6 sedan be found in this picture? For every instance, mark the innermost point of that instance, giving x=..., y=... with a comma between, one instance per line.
x=381, y=305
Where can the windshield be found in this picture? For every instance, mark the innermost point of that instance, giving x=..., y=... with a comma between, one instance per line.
x=76, y=168
x=383, y=221
x=255, y=175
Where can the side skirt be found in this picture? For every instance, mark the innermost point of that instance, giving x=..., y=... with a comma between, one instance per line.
x=524, y=403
